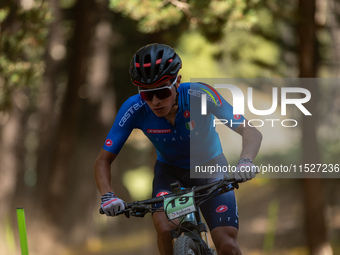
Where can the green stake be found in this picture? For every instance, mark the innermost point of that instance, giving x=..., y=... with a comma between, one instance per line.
x=22, y=231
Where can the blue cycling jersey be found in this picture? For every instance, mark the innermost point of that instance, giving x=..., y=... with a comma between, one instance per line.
x=191, y=141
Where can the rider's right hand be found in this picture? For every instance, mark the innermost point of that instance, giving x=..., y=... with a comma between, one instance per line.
x=245, y=170
x=111, y=204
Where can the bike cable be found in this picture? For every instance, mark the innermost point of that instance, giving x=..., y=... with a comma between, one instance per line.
x=197, y=238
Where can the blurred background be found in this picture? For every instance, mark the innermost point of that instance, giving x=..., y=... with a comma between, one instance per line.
x=64, y=73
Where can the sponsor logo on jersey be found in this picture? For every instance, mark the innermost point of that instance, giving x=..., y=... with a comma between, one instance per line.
x=221, y=208
x=163, y=193
x=108, y=142
x=186, y=114
x=130, y=111
x=158, y=131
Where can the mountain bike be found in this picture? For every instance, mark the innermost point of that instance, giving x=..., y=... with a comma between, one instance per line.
x=189, y=237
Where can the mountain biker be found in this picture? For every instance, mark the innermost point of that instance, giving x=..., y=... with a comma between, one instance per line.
x=182, y=137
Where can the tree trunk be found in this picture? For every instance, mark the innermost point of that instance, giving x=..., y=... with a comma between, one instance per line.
x=97, y=116
x=86, y=16
x=334, y=10
x=47, y=103
x=313, y=189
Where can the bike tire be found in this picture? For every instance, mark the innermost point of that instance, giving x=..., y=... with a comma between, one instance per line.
x=184, y=245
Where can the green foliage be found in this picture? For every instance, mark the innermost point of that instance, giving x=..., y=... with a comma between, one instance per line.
x=139, y=182
x=209, y=17
x=240, y=53
x=197, y=56
x=66, y=4
x=3, y=14
x=239, y=38
x=152, y=15
x=253, y=52
x=330, y=151
x=269, y=238
x=22, y=45
x=249, y=55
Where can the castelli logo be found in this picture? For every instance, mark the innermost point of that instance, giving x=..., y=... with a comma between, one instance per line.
x=186, y=114
x=221, y=208
x=163, y=193
x=237, y=116
x=108, y=142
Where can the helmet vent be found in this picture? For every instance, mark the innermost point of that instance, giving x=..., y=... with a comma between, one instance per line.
x=137, y=61
x=147, y=66
x=147, y=59
x=167, y=65
x=139, y=72
x=160, y=54
x=158, y=63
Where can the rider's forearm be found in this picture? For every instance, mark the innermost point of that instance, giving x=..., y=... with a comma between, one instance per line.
x=251, y=142
x=102, y=172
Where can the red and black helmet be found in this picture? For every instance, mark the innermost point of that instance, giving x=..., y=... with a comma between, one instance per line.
x=154, y=64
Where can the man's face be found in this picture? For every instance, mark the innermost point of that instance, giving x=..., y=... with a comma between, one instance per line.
x=162, y=107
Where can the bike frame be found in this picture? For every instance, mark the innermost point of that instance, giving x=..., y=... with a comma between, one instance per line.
x=190, y=224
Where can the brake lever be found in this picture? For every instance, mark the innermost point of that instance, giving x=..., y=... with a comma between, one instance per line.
x=235, y=185
x=229, y=187
x=125, y=211
x=140, y=210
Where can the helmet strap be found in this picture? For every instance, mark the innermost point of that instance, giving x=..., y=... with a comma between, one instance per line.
x=176, y=101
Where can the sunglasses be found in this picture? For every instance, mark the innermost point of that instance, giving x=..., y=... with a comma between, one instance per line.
x=161, y=93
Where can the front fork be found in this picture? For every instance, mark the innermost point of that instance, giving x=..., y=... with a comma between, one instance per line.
x=193, y=222
x=203, y=230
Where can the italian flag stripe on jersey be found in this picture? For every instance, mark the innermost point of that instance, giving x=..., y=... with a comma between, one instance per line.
x=190, y=125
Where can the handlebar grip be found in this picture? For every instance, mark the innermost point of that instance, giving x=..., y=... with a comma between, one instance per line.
x=101, y=211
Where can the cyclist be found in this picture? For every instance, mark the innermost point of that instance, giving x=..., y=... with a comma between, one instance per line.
x=182, y=137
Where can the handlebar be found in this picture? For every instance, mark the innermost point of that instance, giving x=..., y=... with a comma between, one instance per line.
x=140, y=208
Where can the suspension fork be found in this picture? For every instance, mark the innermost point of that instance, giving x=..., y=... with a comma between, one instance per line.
x=188, y=221
x=201, y=226
x=193, y=222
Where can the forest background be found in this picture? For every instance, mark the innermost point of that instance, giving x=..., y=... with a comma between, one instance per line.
x=64, y=73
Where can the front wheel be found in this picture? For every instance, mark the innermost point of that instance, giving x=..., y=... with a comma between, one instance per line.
x=184, y=245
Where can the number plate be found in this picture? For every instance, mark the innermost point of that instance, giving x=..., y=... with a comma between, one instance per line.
x=178, y=206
